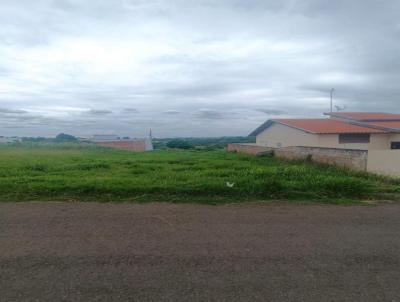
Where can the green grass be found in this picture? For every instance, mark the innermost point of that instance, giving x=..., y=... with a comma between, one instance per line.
x=76, y=172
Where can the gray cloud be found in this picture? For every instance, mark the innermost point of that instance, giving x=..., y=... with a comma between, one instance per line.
x=130, y=110
x=271, y=111
x=208, y=114
x=98, y=112
x=236, y=58
x=171, y=112
x=13, y=111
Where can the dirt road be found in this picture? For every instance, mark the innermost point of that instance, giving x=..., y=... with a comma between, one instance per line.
x=166, y=252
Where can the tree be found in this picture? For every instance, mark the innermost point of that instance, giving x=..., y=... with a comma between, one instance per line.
x=179, y=144
x=62, y=137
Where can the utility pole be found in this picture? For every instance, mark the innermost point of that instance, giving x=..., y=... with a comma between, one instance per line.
x=333, y=89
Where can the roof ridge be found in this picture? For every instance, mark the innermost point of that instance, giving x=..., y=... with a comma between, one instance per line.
x=365, y=117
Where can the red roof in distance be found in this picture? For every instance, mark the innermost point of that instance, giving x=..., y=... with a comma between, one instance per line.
x=387, y=124
x=326, y=126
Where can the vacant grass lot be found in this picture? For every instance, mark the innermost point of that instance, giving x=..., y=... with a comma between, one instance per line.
x=90, y=173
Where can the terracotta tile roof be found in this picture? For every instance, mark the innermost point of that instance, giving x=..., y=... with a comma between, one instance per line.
x=388, y=125
x=326, y=126
x=366, y=116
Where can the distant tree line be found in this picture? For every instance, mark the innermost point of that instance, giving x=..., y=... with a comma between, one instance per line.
x=195, y=143
x=200, y=143
x=63, y=137
x=60, y=138
x=179, y=144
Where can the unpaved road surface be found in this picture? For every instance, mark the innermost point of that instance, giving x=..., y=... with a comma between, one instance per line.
x=168, y=252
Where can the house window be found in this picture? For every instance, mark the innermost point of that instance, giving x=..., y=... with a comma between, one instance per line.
x=395, y=145
x=354, y=138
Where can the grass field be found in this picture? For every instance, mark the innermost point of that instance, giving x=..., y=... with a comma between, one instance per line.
x=59, y=172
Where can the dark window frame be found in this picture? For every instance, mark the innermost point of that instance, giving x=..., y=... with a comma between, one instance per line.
x=395, y=145
x=354, y=138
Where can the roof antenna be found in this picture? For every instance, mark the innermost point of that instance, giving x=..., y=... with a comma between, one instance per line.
x=340, y=108
x=332, y=90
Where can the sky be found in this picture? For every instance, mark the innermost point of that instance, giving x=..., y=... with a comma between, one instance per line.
x=191, y=68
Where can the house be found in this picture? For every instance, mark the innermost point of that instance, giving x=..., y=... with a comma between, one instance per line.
x=105, y=138
x=343, y=130
x=366, y=141
x=114, y=141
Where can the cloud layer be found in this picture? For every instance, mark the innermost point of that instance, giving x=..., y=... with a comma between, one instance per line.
x=191, y=68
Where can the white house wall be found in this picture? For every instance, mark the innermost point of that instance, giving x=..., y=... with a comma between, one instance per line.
x=332, y=141
x=385, y=162
x=383, y=141
x=395, y=138
x=379, y=142
x=278, y=135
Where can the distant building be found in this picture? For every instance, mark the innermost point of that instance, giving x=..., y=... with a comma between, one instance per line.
x=114, y=141
x=105, y=138
x=5, y=139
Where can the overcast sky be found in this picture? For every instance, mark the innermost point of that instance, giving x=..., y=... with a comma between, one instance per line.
x=191, y=68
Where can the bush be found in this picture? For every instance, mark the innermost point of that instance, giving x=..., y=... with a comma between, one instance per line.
x=62, y=137
x=179, y=144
